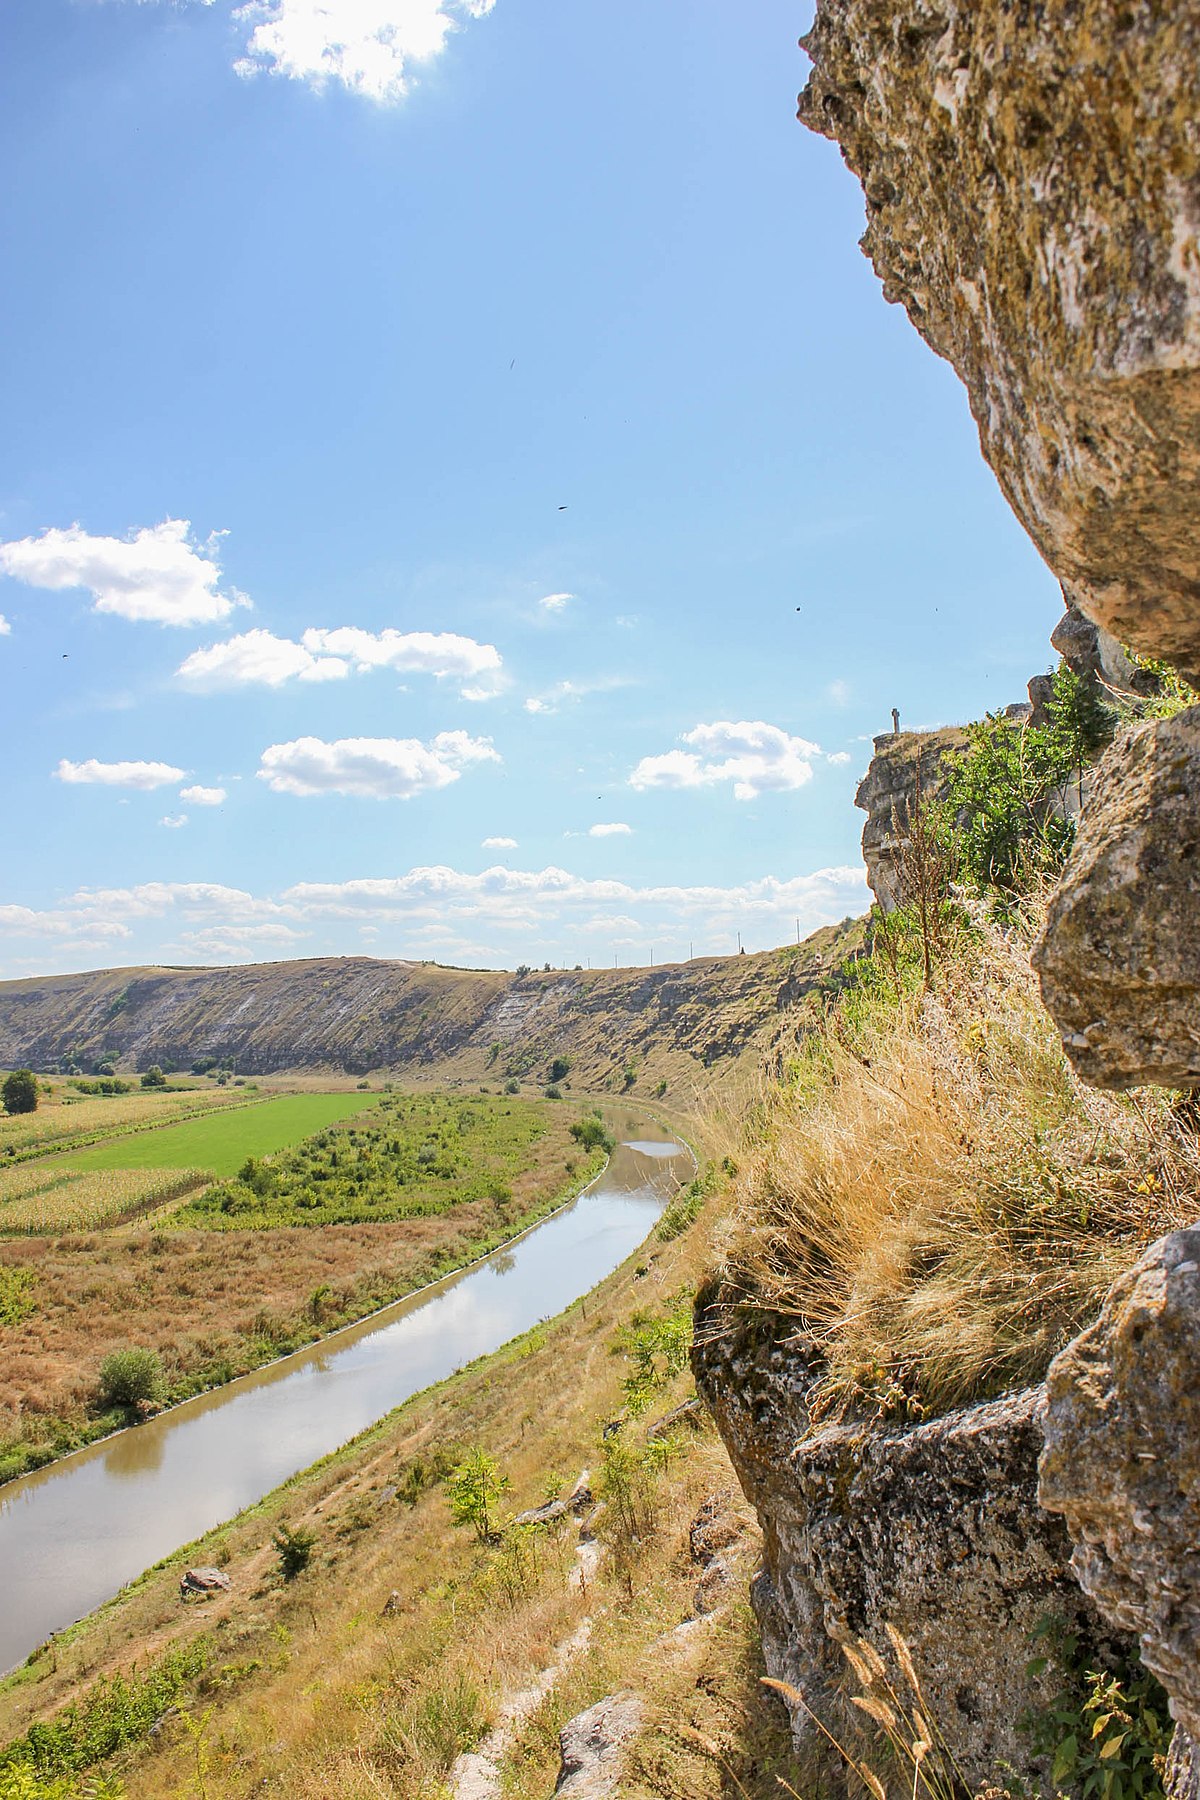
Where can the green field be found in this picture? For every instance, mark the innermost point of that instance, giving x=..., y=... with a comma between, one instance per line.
x=222, y=1141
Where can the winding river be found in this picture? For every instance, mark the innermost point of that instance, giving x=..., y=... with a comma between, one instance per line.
x=73, y=1534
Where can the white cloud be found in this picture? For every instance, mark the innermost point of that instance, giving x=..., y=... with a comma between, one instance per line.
x=379, y=768
x=155, y=574
x=615, y=830
x=755, y=757
x=367, y=45
x=5, y=627
x=145, y=775
x=173, y=821
x=839, y=692
x=499, y=843
x=234, y=941
x=574, y=691
x=555, y=603
x=259, y=657
x=204, y=796
x=838, y=757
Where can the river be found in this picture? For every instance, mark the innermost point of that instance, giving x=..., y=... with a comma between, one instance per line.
x=73, y=1534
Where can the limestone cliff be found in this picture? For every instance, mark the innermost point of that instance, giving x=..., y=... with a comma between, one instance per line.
x=1032, y=178
x=906, y=764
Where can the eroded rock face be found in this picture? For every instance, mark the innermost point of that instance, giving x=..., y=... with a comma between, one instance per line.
x=592, y=1744
x=1119, y=959
x=905, y=765
x=1122, y=1466
x=1032, y=177
x=934, y=1529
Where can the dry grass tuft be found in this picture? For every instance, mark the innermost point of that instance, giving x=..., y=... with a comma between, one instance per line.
x=936, y=1198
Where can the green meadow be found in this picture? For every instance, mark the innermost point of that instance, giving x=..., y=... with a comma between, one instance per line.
x=222, y=1141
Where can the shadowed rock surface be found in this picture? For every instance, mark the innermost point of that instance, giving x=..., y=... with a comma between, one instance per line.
x=1122, y=1465
x=905, y=764
x=1032, y=178
x=934, y=1529
x=1119, y=959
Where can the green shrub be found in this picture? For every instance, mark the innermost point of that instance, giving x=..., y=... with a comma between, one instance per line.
x=154, y=1077
x=127, y=1376
x=294, y=1548
x=657, y=1350
x=593, y=1134
x=117, y=1710
x=1106, y=1731
x=16, y=1295
x=559, y=1069
x=474, y=1490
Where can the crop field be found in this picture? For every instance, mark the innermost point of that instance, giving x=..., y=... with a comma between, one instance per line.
x=79, y=1121
x=221, y=1141
x=44, y=1199
x=413, y=1157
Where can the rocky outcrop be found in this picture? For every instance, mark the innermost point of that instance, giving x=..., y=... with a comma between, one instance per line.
x=1122, y=1465
x=1032, y=178
x=906, y=766
x=592, y=1744
x=933, y=1529
x=1119, y=959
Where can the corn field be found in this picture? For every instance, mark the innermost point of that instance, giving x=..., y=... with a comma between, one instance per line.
x=76, y=1122
x=48, y=1198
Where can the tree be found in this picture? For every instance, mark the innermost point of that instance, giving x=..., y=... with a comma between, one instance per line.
x=154, y=1077
x=559, y=1068
x=20, y=1092
x=294, y=1546
x=474, y=1491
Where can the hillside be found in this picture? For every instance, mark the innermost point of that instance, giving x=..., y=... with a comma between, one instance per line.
x=355, y=1014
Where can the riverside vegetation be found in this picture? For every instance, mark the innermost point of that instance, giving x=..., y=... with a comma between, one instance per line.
x=214, y=1278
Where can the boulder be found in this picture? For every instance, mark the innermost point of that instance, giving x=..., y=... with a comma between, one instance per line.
x=591, y=1746
x=1121, y=1464
x=933, y=1530
x=1119, y=958
x=1032, y=181
x=195, y=1583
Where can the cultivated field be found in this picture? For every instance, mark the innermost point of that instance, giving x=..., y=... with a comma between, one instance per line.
x=220, y=1141
x=47, y=1197
x=75, y=1120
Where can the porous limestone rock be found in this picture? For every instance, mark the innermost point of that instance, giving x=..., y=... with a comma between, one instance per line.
x=1032, y=178
x=1122, y=1465
x=591, y=1746
x=933, y=1529
x=1119, y=959
x=905, y=764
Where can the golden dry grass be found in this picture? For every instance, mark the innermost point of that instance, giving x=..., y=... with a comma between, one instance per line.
x=936, y=1199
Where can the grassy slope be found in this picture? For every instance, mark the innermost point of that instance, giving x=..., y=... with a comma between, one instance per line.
x=222, y=1142
x=315, y=1693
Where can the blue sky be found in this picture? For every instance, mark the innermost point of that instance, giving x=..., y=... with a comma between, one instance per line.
x=463, y=493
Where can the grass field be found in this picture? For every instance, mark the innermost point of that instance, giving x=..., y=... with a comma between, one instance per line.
x=222, y=1141
x=70, y=1120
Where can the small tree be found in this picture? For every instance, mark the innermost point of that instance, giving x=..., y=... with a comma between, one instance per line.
x=560, y=1068
x=474, y=1490
x=20, y=1092
x=127, y=1376
x=154, y=1077
x=294, y=1548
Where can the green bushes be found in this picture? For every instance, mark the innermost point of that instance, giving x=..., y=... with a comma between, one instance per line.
x=293, y=1547
x=130, y=1376
x=16, y=1295
x=593, y=1134
x=474, y=1490
x=1106, y=1731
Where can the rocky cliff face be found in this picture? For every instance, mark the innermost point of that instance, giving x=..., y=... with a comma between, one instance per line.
x=1032, y=177
x=355, y=1014
x=907, y=766
x=933, y=1530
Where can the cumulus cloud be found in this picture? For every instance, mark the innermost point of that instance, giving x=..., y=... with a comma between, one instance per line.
x=231, y=942
x=838, y=758
x=615, y=830
x=499, y=843
x=377, y=768
x=5, y=627
x=173, y=821
x=204, y=796
x=366, y=45
x=260, y=658
x=755, y=757
x=156, y=574
x=144, y=775
x=555, y=603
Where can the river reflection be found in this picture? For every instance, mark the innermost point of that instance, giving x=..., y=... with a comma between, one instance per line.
x=73, y=1534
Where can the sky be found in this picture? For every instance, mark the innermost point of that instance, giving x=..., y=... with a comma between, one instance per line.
x=463, y=495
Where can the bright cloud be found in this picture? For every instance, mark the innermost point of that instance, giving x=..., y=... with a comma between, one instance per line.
x=144, y=775
x=499, y=843
x=570, y=692
x=615, y=830
x=366, y=45
x=174, y=821
x=555, y=603
x=204, y=796
x=757, y=758
x=260, y=658
x=5, y=627
x=156, y=574
x=838, y=758
x=377, y=768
